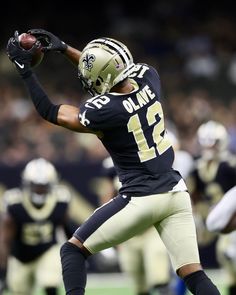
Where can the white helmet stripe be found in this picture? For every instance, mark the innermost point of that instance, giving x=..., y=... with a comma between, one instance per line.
x=118, y=48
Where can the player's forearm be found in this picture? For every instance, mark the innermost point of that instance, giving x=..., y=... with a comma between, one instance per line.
x=221, y=217
x=42, y=104
x=64, y=115
x=73, y=55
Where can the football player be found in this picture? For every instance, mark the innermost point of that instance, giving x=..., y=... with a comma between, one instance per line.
x=212, y=177
x=29, y=246
x=126, y=114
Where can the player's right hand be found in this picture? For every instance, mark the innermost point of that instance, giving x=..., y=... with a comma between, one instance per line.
x=20, y=57
x=49, y=41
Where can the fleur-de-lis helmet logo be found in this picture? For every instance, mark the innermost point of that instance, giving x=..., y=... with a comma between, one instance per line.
x=88, y=60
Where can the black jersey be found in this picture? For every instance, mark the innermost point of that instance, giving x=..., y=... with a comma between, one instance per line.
x=134, y=134
x=35, y=228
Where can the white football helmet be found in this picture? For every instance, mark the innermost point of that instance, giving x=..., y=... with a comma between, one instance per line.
x=104, y=62
x=213, y=136
x=38, y=177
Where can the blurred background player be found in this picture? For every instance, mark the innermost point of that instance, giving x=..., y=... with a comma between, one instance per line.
x=29, y=244
x=214, y=174
x=222, y=220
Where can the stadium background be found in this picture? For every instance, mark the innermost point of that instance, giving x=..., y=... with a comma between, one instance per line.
x=191, y=43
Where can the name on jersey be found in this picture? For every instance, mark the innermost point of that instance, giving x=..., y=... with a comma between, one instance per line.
x=144, y=96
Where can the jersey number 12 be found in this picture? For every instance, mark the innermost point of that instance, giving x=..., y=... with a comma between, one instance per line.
x=162, y=143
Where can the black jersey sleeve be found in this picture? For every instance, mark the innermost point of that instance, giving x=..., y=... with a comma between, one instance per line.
x=98, y=113
x=146, y=73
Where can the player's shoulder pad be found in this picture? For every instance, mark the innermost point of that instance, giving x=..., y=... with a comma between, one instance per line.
x=141, y=69
x=95, y=112
x=63, y=193
x=12, y=196
x=97, y=102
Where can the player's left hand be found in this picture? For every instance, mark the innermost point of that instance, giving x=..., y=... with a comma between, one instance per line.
x=20, y=57
x=49, y=41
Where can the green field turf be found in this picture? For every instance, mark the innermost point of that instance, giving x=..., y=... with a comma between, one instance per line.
x=118, y=284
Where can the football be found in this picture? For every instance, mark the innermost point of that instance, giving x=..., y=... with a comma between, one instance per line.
x=26, y=42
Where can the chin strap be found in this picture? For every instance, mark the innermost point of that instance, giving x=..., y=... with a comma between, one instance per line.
x=106, y=84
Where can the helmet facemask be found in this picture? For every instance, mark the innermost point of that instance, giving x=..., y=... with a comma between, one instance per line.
x=38, y=193
x=38, y=178
x=104, y=63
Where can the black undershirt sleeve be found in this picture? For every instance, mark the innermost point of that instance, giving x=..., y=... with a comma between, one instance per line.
x=42, y=103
